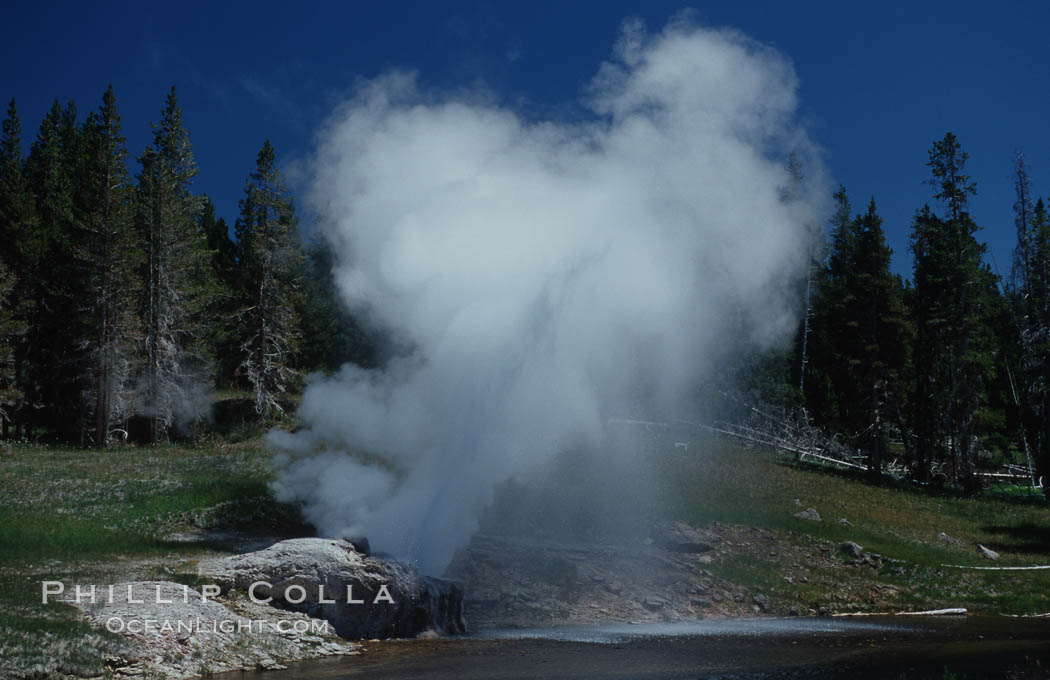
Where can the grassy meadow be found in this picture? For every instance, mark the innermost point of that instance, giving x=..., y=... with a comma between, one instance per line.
x=88, y=516
x=899, y=521
x=754, y=495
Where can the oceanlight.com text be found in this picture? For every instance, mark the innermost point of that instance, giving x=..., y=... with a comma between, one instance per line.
x=118, y=624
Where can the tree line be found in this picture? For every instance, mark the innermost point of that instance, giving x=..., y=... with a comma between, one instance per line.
x=123, y=299
x=946, y=373
x=124, y=302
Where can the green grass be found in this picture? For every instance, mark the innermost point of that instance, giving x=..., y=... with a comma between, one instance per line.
x=720, y=483
x=1013, y=490
x=708, y=480
x=74, y=504
x=715, y=482
x=88, y=516
x=711, y=480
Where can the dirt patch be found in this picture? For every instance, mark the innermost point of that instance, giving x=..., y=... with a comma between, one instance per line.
x=518, y=582
x=746, y=572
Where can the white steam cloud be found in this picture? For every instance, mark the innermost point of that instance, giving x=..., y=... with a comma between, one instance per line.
x=546, y=275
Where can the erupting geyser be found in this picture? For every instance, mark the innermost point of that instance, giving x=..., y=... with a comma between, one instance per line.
x=544, y=275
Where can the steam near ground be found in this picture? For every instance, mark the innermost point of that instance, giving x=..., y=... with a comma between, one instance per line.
x=544, y=275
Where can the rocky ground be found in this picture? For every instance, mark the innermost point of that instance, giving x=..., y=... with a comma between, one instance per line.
x=553, y=553
x=677, y=573
x=360, y=595
x=174, y=631
x=517, y=582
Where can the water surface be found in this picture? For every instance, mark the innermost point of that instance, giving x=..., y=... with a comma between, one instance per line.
x=892, y=647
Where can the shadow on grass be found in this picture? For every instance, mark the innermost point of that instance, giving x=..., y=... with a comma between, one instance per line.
x=231, y=526
x=1027, y=538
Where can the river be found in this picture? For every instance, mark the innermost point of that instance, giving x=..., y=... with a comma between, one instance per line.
x=887, y=647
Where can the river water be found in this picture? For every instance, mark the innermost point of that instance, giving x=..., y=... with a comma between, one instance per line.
x=890, y=647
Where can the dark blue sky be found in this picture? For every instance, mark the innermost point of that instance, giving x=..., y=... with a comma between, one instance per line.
x=879, y=81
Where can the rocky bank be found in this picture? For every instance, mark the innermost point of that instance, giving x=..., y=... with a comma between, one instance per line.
x=296, y=599
x=360, y=595
x=178, y=632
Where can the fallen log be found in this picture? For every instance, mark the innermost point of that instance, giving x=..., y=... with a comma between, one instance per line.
x=951, y=611
x=965, y=566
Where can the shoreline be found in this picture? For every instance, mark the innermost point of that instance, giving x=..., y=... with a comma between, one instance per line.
x=977, y=646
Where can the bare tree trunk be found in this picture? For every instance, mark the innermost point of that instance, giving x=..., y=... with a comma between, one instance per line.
x=102, y=377
x=805, y=331
x=875, y=459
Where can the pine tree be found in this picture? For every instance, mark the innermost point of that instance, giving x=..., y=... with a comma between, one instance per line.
x=1033, y=307
x=110, y=255
x=953, y=344
x=16, y=202
x=1022, y=262
x=224, y=303
x=828, y=381
x=51, y=379
x=792, y=193
x=331, y=335
x=1024, y=367
x=875, y=328
x=11, y=329
x=16, y=225
x=270, y=261
x=859, y=333
x=224, y=250
x=177, y=277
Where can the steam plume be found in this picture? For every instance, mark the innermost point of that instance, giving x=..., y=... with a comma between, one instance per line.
x=547, y=275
